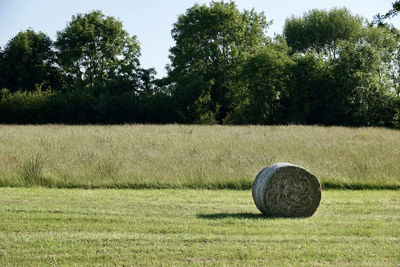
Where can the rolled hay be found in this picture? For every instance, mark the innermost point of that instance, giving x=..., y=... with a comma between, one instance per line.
x=286, y=190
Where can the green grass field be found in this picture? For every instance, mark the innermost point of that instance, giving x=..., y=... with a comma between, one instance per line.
x=175, y=219
x=40, y=226
x=177, y=156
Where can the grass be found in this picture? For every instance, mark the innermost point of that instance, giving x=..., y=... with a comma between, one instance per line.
x=40, y=226
x=208, y=157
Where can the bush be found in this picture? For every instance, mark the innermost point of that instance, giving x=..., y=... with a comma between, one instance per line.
x=72, y=108
x=83, y=107
x=24, y=107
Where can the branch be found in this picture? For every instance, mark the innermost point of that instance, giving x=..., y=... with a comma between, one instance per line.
x=379, y=19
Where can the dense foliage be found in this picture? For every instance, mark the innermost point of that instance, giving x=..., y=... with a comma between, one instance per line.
x=211, y=45
x=94, y=52
x=28, y=62
x=328, y=67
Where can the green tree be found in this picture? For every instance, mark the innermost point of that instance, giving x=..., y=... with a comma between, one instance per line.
x=28, y=62
x=266, y=75
x=96, y=52
x=365, y=76
x=310, y=95
x=379, y=18
x=2, y=70
x=354, y=79
x=211, y=44
x=321, y=31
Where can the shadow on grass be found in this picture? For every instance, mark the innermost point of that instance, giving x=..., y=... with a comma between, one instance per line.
x=241, y=215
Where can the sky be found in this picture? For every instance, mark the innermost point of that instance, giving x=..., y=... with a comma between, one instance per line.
x=151, y=20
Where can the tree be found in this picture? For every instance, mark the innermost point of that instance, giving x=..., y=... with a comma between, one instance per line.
x=2, y=70
x=365, y=74
x=310, y=94
x=379, y=19
x=354, y=79
x=211, y=43
x=266, y=75
x=28, y=62
x=321, y=31
x=95, y=51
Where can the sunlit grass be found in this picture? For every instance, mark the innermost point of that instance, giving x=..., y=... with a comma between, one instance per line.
x=70, y=227
x=177, y=156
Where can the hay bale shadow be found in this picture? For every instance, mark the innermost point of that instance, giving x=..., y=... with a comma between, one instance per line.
x=240, y=215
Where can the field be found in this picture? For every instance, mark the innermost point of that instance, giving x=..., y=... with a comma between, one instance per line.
x=145, y=195
x=208, y=157
x=40, y=226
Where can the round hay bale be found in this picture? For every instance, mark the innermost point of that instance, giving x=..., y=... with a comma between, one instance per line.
x=286, y=190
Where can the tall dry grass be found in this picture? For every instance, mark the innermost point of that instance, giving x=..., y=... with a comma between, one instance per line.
x=175, y=156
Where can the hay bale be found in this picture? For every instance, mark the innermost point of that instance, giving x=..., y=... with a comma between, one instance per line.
x=286, y=190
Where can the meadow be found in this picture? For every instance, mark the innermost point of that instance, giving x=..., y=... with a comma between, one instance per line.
x=178, y=227
x=69, y=195
x=190, y=156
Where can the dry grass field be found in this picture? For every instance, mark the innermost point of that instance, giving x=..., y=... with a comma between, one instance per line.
x=178, y=156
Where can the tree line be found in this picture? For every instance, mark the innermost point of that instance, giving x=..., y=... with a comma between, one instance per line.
x=328, y=67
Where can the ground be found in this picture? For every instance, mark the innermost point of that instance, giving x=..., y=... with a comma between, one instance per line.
x=40, y=226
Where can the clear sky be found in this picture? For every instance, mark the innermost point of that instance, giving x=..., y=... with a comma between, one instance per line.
x=151, y=20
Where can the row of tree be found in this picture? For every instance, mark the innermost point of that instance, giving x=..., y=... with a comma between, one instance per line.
x=328, y=67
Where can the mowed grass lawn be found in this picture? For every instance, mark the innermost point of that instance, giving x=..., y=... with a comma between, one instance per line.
x=41, y=226
x=190, y=156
